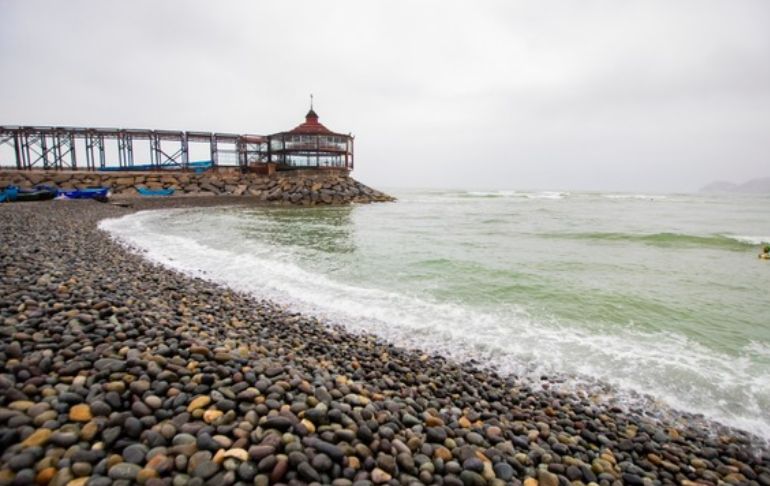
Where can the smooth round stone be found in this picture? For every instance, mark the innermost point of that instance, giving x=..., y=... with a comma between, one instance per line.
x=100, y=408
x=197, y=459
x=140, y=409
x=153, y=401
x=258, y=452
x=267, y=463
x=410, y=420
x=452, y=480
x=505, y=471
x=306, y=471
x=138, y=387
x=405, y=460
x=183, y=439
x=135, y=453
x=471, y=478
x=379, y=476
x=90, y=456
x=64, y=439
x=247, y=471
x=38, y=408
x=436, y=434
x=37, y=438
x=387, y=463
x=473, y=464
x=205, y=469
x=20, y=461
x=154, y=439
x=474, y=438
x=24, y=477
x=277, y=422
x=133, y=427
x=321, y=462
x=81, y=469
x=546, y=478
x=99, y=481
x=207, y=443
x=80, y=412
x=453, y=467
x=125, y=471
x=181, y=480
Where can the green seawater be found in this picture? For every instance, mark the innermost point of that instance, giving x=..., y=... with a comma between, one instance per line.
x=658, y=294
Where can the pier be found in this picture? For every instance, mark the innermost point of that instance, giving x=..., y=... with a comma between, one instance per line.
x=78, y=148
x=310, y=145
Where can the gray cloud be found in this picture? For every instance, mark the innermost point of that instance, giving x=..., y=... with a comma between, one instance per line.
x=556, y=94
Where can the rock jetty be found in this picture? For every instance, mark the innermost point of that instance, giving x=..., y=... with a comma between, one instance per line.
x=116, y=371
x=300, y=187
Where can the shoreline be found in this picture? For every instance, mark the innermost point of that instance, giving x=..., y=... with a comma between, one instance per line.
x=150, y=374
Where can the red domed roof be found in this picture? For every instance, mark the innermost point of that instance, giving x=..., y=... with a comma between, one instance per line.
x=311, y=126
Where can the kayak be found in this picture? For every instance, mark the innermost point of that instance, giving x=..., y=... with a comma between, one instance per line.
x=39, y=193
x=88, y=193
x=143, y=191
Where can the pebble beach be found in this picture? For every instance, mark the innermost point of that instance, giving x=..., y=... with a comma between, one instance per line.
x=114, y=370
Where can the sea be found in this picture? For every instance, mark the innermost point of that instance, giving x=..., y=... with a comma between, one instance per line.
x=659, y=297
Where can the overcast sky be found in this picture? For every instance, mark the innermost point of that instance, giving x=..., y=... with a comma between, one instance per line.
x=564, y=95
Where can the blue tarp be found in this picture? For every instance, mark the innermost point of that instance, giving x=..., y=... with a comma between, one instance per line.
x=10, y=193
x=198, y=167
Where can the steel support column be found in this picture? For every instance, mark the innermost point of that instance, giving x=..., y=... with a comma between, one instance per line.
x=214, y=150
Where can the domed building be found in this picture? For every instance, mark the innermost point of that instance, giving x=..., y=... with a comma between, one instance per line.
x=310, y=145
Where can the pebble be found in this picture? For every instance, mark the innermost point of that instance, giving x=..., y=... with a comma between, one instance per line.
x=198, y=402
x=379, y=476
x=135, y=453
x=80, y=413
x=117, y=371
x=205, y=469
x=38, y=438
x=124, y=470
x=436, y=434
x=306, y=471
x=504, y=471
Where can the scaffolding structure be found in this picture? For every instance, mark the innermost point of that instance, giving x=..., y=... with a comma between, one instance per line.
x=76, y=148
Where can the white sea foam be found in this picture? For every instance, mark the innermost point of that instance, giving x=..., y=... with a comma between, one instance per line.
x=517, y=194
x=751, y=240
x=676, y=370
x=634, y=196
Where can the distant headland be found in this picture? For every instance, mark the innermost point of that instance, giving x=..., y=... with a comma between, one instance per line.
x=753, y=186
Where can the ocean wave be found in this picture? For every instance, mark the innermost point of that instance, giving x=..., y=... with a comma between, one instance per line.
x=634, y=196
x=669, y=240
x=750, y=240
x=679, y=371
x=516, y=194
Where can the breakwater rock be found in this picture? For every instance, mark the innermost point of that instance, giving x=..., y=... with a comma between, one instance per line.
x=117, y=371
x=301, y=187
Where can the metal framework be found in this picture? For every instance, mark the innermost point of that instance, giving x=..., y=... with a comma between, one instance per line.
x=56, y=148
x=313, y=150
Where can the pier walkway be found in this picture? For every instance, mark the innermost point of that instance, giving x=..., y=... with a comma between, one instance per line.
x=78, y=148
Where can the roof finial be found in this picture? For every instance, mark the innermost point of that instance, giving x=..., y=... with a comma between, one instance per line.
x=311, y=101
